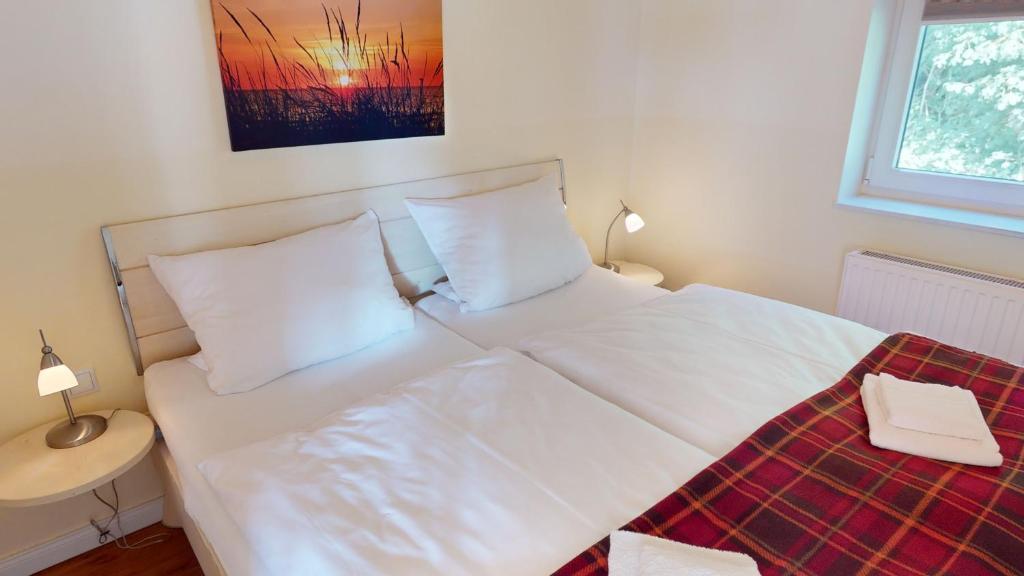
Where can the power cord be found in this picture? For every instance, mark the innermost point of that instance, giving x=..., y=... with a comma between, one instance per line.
x=105, y=529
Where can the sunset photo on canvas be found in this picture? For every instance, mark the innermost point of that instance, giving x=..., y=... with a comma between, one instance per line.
x=301, y=72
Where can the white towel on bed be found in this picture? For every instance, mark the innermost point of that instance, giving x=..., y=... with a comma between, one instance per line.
x=632, y=554
x=984, y=452
x=932, y=408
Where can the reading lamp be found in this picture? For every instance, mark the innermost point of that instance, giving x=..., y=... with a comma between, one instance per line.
x=55, y=377
x=633, y=223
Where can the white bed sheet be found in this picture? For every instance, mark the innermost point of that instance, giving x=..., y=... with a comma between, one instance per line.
x=706, y=364
x=494, y=466
x=197, y=424
x=597, y=292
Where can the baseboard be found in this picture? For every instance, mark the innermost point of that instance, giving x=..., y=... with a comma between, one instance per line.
x=78, y=542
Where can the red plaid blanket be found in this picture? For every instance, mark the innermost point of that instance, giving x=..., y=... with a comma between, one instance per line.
x=808, y=494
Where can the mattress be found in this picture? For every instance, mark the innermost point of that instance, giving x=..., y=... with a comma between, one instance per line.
x=493, y=466
x=197, y=424
x=706, y=364
x=597, y=292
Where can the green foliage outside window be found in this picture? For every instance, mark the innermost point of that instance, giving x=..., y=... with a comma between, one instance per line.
x=966, y=113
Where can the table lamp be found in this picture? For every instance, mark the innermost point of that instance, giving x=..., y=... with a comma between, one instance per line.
x=633, y=223
x=55, y=377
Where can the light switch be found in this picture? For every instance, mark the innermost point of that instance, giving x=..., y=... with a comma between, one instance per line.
x=87, y=383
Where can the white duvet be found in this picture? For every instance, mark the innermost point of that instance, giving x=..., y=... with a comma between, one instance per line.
x=706, y=364
x=494, y=466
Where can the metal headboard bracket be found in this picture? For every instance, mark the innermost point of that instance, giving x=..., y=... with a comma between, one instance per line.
x=122, y=296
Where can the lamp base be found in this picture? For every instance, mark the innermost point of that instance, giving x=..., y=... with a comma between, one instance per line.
x=85, y=429
x=610, y=266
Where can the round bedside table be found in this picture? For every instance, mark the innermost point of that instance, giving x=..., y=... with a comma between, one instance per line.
x=639, y=272
x=32, y=473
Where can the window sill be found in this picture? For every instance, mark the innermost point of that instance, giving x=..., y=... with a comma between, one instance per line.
x=996, y=223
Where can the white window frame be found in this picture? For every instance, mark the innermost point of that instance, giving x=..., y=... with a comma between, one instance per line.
x=882, y=177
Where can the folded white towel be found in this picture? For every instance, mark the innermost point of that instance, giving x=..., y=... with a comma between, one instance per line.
x=984, y=452
x=633, y=554
x=932, y=408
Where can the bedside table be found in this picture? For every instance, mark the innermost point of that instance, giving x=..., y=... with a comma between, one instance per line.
x=639, y=272
x=32, y=473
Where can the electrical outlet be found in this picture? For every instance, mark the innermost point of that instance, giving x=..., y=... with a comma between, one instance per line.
x=87, y=383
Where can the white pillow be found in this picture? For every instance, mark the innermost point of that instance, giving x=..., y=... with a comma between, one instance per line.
x=259, y=312
x=504, y=246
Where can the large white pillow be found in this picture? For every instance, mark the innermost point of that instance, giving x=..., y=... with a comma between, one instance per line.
x=259, y=312
x=503, y=246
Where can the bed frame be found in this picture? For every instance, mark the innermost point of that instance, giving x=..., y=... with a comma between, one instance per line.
x=156, y=330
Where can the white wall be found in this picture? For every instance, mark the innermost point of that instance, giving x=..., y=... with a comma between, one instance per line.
x=742, y=121
x=111, y=111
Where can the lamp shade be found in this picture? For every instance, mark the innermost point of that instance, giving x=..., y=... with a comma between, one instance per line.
x=56, y=379
x=54, y=376
x=633, y=222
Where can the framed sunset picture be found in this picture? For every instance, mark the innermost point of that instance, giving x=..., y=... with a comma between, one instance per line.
x=303, y=72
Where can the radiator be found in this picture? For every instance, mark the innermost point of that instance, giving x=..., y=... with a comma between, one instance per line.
x=967, y=309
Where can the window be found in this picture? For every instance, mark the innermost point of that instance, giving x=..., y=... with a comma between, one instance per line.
x=951, y=124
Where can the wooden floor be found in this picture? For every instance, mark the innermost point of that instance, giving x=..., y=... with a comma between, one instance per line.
x=170, y=558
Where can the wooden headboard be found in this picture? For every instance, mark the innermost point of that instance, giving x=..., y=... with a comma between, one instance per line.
x=156, y=330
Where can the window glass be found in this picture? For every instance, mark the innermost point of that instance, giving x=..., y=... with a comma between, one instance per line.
x=966, y=113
